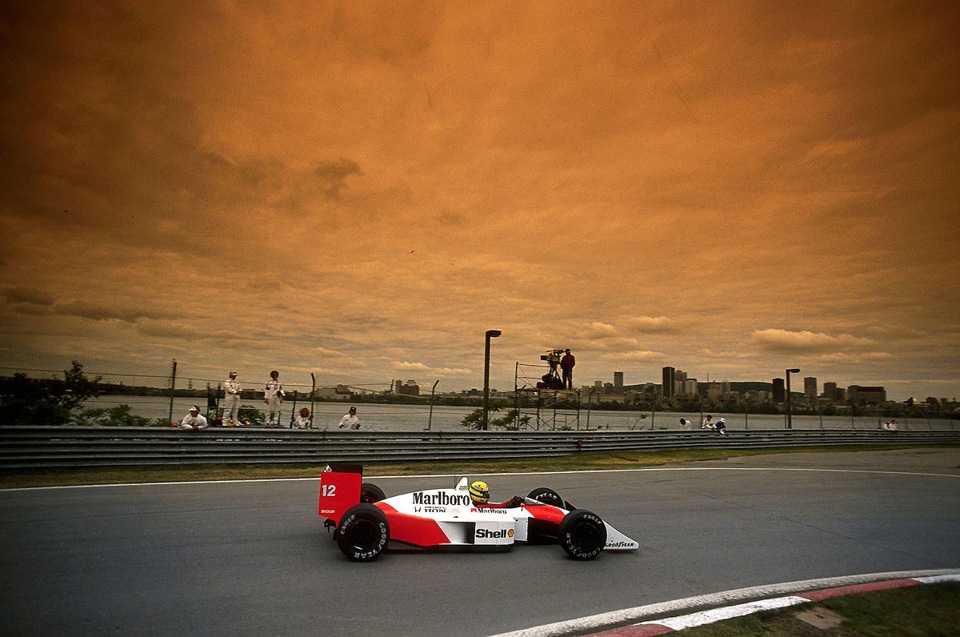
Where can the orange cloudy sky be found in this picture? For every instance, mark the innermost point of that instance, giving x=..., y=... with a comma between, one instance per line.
x=361, y=189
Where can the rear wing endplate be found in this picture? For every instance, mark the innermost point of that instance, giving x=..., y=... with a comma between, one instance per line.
x=339, y=490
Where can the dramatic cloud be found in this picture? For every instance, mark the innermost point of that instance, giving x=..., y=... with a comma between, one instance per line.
x=406, y=366
x=333, y=175
x=782, y=340
x=97, y=312
x=649, y=325
x=29, y=296
x=357, y=190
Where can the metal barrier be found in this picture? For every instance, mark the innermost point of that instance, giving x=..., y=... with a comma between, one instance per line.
x=71, y=447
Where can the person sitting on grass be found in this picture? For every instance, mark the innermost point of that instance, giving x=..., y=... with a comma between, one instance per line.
x=193, y=420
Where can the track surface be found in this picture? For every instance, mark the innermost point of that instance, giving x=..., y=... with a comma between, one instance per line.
x=251, y=557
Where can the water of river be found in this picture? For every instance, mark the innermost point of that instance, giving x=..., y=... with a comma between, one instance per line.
x=380, y=417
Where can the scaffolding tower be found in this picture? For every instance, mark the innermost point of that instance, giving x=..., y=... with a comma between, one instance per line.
x=539, y=404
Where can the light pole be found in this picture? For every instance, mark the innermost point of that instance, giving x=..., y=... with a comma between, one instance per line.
x=432, y=392
x=789, y=419
x=486, y=374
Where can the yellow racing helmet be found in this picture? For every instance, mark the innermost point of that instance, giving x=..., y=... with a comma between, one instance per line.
x=479, y=492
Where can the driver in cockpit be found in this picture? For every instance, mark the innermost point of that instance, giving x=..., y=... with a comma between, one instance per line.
x=480, y=495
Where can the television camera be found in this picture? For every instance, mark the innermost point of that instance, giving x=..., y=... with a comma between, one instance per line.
x=552, y=357
x=551, y=380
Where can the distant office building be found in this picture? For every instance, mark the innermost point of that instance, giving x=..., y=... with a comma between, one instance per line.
x=410, y=388
x=830, y=392
x=680, y=383
x=861, y=395
x=669, y=380
x=340, y=391
x=779, y=391
x=810, y=388
x=618, y=382
x=714, y=391
x=687, y=387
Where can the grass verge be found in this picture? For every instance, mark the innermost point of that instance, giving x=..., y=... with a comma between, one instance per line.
x=21, y=478
x=917, y=611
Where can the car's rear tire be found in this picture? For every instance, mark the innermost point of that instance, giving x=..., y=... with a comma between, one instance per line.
x=582, y=534
x=363, y=532
x=547, y=496
x=371, y=493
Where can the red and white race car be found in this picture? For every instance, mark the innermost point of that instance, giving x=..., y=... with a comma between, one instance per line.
x=365, y=520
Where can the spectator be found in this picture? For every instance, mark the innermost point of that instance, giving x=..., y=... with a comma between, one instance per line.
x=721, y=427
x=685, y=424
x=566, y=367
x=193, y=420
x=350, y=420
x=303, y=420
x=891, y=426
x=273, y=395
x=707, y=422
x=231, y=401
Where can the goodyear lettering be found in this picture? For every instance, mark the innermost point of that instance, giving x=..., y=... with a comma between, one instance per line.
x=441, y=498
x=618, y=545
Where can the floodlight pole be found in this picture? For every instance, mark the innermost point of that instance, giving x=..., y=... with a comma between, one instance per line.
x=486, y=375
x=789, y=415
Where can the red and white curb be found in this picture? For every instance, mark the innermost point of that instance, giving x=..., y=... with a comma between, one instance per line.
x=671, y=624
x=760, y=598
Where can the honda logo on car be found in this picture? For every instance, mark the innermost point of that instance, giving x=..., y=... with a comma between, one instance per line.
x=442, y=498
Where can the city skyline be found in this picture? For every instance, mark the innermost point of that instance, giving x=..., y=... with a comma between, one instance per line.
x=361, y=191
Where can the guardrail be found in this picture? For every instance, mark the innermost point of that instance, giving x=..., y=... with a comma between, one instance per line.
x=71, y=447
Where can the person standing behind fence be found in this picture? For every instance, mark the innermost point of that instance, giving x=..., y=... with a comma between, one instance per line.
x=350, y=420
x=273, y=395
x=231, y=401
x=566, y=366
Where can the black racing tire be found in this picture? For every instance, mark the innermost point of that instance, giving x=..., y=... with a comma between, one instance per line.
x=363, y=532
x=371, y=493
x=547, y=496
x=582, y=534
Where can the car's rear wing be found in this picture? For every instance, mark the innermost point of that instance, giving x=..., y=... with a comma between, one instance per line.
x=339, y=490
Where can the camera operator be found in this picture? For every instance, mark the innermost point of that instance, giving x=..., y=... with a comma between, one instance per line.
x=566, y=366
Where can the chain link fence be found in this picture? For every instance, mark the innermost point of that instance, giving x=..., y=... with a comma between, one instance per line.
x=131, y=394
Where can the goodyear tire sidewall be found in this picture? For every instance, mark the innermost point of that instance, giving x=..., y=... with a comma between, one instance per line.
x=363, y=514
x=568, y=535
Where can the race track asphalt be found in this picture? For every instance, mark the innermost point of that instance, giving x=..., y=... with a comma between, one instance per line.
x=251, y=558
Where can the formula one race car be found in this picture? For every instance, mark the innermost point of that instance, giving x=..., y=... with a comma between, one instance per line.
x=365, y=520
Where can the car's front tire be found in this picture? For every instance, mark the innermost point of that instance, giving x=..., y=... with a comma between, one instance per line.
x=363, y=532
x=547, y=496
x=582, y=534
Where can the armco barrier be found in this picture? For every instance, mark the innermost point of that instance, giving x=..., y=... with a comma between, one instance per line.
x=46, y=447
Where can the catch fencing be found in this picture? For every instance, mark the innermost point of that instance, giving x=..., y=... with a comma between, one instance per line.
x=75, y=447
